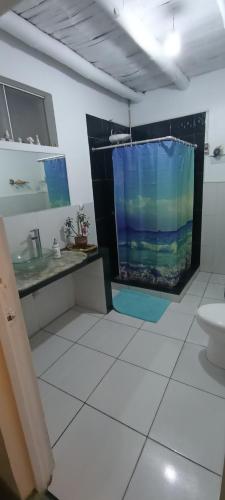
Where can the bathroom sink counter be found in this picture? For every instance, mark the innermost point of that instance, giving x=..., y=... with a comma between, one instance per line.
x=56, y=269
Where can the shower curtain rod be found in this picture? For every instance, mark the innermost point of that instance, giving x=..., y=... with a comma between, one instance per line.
x=51, y=157
x=166, y=138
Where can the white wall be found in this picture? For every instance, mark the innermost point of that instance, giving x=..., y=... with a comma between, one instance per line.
x=205, y=93
x=72, y=99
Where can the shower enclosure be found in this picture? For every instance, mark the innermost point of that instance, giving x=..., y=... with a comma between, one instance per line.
x=153, y=195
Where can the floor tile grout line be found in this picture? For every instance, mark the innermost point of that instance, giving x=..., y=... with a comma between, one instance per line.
x=86, y=403
x=72, y=345
x=99, y=319
x=73, y=308
x=163, y=335
x=77, y=309
x=121, y=323
x=62, y=390
x=112, y=321
x=75, y=341
x=179, y=355
x=115, y=419
x=195, y=343
x=160, y=402
x=109, y=355
x=134, y=470
x=140, y=328
x=70, y=422
x=143, y=368
x=133, y=364
x=95, y=350
x=148, y=438
x=61, y=355
x=59, y=316
x=44, y=329
x=116, y=359
x=184, y=456
x=169, y=380
x=189, y=329
x=195, y=295
x=197, y=388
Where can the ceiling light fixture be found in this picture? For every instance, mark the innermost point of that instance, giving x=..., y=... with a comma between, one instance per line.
x=172, y=43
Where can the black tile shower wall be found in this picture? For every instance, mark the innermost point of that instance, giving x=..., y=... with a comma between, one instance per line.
x=190, y=128
x=102, y=181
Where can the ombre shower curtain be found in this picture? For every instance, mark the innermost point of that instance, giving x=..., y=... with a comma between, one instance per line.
x=153, y=191
x=57, y=182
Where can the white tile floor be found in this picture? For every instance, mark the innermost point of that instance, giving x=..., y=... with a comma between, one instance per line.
x=134, y=409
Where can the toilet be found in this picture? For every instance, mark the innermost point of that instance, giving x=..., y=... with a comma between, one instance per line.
x=211, y=318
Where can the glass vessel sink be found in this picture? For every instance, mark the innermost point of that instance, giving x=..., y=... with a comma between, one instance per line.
x=25, y=262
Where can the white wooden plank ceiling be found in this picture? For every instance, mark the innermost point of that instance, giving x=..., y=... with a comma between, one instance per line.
x=85, y=28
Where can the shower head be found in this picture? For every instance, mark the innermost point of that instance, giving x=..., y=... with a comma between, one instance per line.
x=119, y=138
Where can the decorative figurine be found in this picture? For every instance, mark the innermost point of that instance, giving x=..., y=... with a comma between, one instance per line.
x=19, y=139
x=18, y=182
x=7, y=135
x=69, y=233
x=30, y=140
x=37, y=140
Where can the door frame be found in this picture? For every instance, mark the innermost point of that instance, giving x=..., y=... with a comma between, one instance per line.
x=28, y=411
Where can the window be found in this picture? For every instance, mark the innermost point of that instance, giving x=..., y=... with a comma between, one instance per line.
x=4, y=118
x=26, y=112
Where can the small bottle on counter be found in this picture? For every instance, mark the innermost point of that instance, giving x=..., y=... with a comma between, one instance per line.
x=56, y=249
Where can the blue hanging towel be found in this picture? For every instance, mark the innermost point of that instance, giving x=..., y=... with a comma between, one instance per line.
x=57, y=182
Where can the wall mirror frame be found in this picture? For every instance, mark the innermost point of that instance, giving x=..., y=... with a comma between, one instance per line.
x=32, y=178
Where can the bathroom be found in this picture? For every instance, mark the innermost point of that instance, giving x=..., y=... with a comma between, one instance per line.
x=94, y=365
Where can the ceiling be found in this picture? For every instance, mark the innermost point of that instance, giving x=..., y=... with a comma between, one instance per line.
x=84, y=27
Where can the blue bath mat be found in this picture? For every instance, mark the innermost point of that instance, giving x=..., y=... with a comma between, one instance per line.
x=140, y=305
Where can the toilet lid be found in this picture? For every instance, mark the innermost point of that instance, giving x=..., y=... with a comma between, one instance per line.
x=214, y=314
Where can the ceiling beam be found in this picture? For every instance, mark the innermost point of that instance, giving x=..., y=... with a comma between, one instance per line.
x=6, y=5
x=221, y=5
x=35, y=38
x=147, y=42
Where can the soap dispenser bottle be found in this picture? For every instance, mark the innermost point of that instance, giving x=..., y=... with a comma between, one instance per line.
x=56, y=249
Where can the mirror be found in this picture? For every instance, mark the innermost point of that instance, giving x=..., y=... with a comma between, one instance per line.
x=32, y=181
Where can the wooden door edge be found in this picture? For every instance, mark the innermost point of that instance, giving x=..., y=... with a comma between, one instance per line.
x=17, y=355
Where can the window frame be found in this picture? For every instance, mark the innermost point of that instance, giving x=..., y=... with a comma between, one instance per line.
x=48, y=105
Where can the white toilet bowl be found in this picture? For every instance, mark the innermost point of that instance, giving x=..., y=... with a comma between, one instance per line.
x=211, y=318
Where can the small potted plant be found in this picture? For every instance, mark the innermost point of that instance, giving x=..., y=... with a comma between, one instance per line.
x=83, y=225
x=81, y=234
x=69, y=231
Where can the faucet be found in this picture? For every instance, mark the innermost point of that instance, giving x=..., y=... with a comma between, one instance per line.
x=35, y=236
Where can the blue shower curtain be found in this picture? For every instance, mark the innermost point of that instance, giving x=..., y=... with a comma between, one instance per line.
x=57, y=182
x=153, y=192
